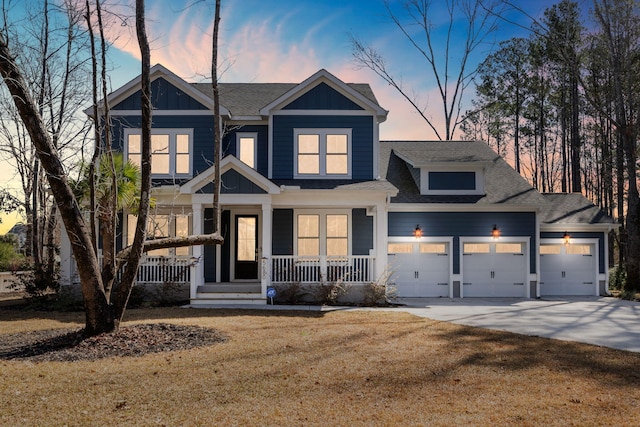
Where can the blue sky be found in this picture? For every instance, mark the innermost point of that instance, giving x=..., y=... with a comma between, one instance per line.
x=288, y=41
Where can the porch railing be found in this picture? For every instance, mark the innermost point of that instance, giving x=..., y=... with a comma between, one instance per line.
x=165, y=269
x=158, y=270
x=315, y=269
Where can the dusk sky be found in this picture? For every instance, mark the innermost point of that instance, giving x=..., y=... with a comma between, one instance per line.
x=288, y=41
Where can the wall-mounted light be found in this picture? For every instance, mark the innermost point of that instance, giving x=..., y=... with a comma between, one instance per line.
x=495, y=232
x=566, y=238
x=417, y=232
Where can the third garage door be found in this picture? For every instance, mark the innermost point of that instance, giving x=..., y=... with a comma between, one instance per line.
x=420, y=269
x=567, y=269
x=492, y=269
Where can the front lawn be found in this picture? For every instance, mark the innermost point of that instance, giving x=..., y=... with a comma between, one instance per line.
x=348, y=368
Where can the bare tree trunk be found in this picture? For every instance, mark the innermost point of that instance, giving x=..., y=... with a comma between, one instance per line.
x=216, y=120
x=122, y=292
x=96, y=306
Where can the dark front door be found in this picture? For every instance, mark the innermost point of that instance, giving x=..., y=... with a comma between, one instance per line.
x=246, y=256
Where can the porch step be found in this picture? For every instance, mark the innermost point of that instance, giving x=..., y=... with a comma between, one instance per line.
x=205, y=300
x=230, y=288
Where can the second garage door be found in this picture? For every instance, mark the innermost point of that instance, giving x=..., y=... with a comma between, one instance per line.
x=492, y=269
x=567, y=269
x=420, y=269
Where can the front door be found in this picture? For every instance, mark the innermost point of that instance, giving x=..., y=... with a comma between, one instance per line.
x=246, y=254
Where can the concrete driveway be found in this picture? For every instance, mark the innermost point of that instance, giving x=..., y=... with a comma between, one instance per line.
x=604, y=321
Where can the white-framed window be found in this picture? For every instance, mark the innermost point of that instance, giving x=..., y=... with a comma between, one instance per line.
x=162, y=225
x=322, y=233
x=246, y=148
x=322, y=153
x=170, y=151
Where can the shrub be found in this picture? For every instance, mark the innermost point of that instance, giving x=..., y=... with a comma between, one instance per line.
x=288, y=293
x=381, y=292
x=38, y=282
x=10, y=260
x=617, y=277
x=329, y=292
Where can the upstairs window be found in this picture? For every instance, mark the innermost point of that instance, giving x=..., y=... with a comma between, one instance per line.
x=439, y=181
x=246, y=148
x=324, y=153
x=170, y=151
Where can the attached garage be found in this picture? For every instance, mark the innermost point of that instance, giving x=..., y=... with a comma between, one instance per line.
x=420, y=269
x=568, y=269
x=494, y=269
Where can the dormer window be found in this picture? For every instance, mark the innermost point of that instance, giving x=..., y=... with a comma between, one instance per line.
x=451, y=182
x=322, y=153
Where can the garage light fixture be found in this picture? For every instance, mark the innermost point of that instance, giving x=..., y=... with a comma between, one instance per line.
x=495, y=233
x=566, y=238
x=417, y=232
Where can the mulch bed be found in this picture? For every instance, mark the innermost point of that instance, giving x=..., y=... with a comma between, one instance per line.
x=131, y=341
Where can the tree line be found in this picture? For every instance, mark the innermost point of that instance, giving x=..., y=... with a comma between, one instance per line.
x=562, y=105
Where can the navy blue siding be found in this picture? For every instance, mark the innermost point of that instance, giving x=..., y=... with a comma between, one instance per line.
x=458, y=224
x=362, y=233
x=202, y=134
x=164, y=96
x=323, y=97
x=583, y=235
x=232, y=182
x=229, y=145
x=452, y=180
x=282, y=232
x=209, y=250
x=361, y=142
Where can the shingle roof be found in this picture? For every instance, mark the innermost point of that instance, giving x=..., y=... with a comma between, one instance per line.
x=338, y=184
x=246, y=99
x=502, y=183
x=572, y=208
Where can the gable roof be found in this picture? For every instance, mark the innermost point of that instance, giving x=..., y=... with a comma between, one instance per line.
x=156, y=72
x=502, y=184
x=323, y=76
x=228, y=163
x=572, y=208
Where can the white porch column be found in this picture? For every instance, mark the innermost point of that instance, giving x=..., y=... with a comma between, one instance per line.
x=381, y=237
x=197, y=272
x=265, y=262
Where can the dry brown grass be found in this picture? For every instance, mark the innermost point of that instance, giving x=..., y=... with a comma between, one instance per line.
x=335, y=368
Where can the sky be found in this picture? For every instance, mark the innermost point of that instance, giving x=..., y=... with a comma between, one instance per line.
x=288, y=41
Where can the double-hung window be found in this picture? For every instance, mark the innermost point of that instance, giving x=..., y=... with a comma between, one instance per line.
x=324, y=153
x=170, y=151
x=322, y=234
x=160, y=226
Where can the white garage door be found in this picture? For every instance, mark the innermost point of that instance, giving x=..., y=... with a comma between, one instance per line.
x=494, y=269
x=567, y=269
x=420, y=269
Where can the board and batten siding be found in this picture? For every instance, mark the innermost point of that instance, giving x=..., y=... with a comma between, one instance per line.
x=457, y=224
x=602, y=268
x=362, y=145
x=322, y=97
x=164, y=96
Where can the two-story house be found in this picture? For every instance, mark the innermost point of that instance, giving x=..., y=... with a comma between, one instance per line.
x=310, y=194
